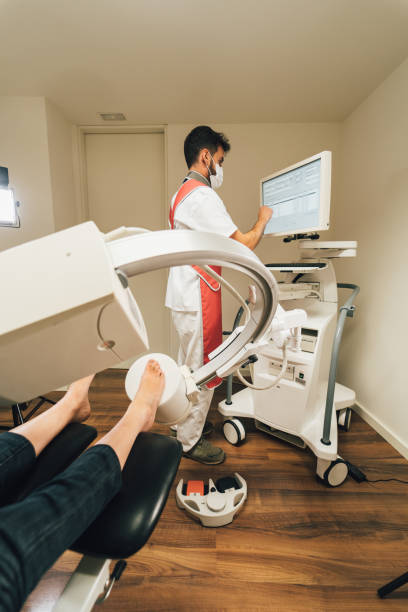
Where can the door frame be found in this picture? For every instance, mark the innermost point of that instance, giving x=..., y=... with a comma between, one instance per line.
x=79, y=157
x=81, y=185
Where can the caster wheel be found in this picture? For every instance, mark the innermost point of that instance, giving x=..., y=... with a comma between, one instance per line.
x=344, y=419
x=333, y=473
x=234, y=431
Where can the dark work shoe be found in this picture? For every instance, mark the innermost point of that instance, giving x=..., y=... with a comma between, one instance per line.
x=208, y=429
x=205, y=452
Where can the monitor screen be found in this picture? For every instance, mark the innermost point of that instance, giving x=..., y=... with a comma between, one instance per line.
x=299, y=196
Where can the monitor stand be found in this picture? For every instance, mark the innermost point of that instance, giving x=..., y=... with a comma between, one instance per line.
x=311, y=249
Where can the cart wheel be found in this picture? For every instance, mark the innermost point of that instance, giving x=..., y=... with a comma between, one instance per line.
x=344, y=419
x=234, y=431
x=335, y=474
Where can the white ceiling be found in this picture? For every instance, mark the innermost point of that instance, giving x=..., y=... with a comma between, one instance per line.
x=183, y=61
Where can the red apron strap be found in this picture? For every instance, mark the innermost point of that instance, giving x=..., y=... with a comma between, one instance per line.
x=211, y=312
x=184, y=191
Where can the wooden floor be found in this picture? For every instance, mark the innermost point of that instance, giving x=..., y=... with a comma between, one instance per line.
x=296, y=545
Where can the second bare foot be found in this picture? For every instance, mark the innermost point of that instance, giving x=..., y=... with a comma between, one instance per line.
x=78, y=393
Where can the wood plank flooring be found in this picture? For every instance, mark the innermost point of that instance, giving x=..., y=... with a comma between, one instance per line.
x=296, y=545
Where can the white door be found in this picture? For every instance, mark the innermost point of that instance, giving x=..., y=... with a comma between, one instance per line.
x=125, y=176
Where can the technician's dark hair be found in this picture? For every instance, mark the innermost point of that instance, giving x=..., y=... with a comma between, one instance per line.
x=203, y=137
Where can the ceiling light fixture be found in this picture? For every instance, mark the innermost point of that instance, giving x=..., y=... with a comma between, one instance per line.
x=112, y=116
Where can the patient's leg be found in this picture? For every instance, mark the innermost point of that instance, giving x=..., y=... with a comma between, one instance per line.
x=35, y=531
x=18, y=453
x=72, y=407
x=140, y=414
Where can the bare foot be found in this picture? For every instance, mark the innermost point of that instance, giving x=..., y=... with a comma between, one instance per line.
x=149, y=393
x=78, y=393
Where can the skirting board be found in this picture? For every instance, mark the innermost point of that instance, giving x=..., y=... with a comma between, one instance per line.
x=380, y=428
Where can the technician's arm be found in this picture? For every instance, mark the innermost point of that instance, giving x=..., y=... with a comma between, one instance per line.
x=254, y=235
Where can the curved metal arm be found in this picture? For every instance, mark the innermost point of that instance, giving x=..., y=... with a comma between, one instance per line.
x=146, y=252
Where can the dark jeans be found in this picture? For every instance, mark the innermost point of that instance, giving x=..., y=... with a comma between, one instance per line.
x=37, y=530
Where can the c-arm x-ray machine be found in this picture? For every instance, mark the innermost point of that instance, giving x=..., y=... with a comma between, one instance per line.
x=83, y=317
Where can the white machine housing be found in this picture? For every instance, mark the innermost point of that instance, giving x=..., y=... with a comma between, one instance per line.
x=294, y=409
x=63, y=311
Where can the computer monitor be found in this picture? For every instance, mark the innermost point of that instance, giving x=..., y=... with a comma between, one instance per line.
x=299, y=197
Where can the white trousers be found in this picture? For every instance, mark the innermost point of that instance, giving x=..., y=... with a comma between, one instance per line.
x=189, y=330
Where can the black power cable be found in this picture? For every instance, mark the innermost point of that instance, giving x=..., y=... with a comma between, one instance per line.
x=388, y=480
x=359, y=476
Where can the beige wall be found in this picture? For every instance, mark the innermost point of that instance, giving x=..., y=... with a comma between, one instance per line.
x=256, y=151
x=24, y=150
x=36, y=147
x=125, y=179
x=59, y=137
x=372, y=208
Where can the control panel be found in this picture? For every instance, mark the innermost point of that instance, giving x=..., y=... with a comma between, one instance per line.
x=296, y=373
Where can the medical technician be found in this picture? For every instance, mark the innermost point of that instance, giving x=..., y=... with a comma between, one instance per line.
x=192, y=295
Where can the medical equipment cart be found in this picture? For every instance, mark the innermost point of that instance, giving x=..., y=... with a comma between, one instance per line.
x=301, y=408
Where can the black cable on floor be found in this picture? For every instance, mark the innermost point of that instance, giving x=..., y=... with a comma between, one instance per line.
x=359, y=476
x=387, y=480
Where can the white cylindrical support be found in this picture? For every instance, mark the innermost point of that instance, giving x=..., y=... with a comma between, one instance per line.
x=174, y=405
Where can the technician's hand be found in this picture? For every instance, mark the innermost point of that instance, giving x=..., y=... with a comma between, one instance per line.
x=265, y=213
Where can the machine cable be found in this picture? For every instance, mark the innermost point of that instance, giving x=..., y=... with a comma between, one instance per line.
x=277, y=379
x=231, y=290
x=245, y=308
x=359, y=476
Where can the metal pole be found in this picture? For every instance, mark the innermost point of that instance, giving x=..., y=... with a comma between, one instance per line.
x=347, y=310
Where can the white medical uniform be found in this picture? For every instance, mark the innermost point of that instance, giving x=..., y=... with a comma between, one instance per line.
x=202, y=210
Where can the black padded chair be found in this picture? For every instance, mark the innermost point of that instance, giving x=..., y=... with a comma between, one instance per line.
x=126, y=523
x=128, y=520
